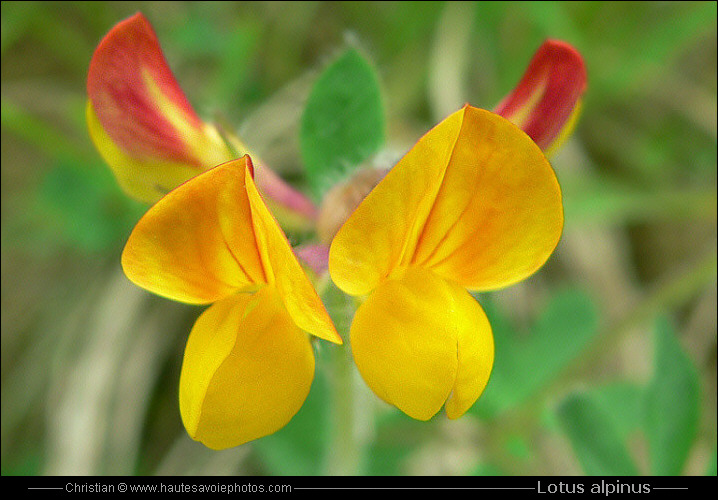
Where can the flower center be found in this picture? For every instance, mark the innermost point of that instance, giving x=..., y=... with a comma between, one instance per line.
x=342, y=200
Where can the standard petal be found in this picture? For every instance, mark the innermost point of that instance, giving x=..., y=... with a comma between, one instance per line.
x=546, y=102
x=140, y=110
x=498, y=214
x=197, y=243
x=284, y=271
x=416, y=339
x=246, y=372
x=382, y=232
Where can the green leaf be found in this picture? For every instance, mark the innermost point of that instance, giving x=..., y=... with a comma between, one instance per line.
x=622, y=402
x=343, y=122
x=672, y=404
x=526, y=363
x=594, y=438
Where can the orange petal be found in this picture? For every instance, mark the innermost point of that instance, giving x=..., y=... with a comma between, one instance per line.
x=546, y=102
x=498, y=214
x=284, y=271
x=138, y=105
x=197, y=244
x=247, y=370
x=384, y=228
x=475, y=200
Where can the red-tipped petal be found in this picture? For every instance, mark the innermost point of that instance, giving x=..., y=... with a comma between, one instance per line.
x=146, y=130
x=547, y=99
x=140, y=105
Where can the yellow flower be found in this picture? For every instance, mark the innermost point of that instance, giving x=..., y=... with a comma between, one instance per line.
x=473, y=206
x=248, y=363
x=546, y=104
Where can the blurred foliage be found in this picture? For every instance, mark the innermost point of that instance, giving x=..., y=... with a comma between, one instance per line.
x=594, y=438
x=526, y=361
x=605, y=359
x=599, y=421
x=672, y=404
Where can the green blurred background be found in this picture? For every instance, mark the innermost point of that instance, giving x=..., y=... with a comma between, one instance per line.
x=605, y=359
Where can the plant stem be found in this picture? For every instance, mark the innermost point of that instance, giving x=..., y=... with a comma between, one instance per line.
x=349, y=419
x=345, y=455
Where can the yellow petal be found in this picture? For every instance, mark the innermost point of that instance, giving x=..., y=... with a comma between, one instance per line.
x=197, y=244
x=416, y=339
x=475, y=200
x=476, y=355
x=246, y=372
x=139, y=110
x=284, y=271
x=384, y=228
x=498, y=215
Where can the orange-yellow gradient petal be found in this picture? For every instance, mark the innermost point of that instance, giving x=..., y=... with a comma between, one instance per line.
x=498, y=215
x=408, y=340
x=137, y=108
x=383, y=230
x=475, y=200
x=284, y=272
x=197, y=244
x=246, y=372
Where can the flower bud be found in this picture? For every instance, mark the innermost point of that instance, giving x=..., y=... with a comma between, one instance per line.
x=342, y=199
